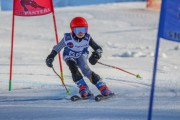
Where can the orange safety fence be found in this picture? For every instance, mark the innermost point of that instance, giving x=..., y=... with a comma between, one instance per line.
x=154, y=4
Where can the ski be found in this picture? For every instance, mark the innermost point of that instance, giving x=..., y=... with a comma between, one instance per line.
x=78, y=98
x=101, y=97
x=75, y=98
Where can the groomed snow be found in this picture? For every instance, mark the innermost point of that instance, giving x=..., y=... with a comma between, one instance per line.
x=127, y=34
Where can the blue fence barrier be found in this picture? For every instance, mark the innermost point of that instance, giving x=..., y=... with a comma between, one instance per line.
x=7, y=4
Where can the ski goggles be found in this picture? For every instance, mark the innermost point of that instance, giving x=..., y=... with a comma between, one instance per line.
x=78, y=30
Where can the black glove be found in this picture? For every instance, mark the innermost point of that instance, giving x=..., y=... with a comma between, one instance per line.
x=50, y=58
x=95, y=56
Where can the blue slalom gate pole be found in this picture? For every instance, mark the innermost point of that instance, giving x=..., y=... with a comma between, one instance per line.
x=153, y=80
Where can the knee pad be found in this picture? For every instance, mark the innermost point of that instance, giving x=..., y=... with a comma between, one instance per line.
x=94, y=78
x=86, y=71
x=76, y=75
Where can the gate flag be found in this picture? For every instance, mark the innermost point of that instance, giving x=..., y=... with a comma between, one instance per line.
x=32, y=7
x=28, y=8
x=169, y=29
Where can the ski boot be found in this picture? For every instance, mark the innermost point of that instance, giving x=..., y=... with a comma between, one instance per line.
x=103, y=88
x=83, y=89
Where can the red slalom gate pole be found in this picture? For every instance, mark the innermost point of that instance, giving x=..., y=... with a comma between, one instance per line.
x=59, y=55
x=12, y=50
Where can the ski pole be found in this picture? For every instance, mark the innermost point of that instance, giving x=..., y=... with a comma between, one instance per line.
x=67, y=91
x=137, y=75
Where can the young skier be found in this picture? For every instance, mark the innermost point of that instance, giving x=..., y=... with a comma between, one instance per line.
x=75, y=54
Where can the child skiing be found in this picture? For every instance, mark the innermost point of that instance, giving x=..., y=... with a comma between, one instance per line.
x=75, y=55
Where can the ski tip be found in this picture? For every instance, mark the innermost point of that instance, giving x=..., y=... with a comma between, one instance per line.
x=75, y=98
x=98, y=98
x=101, y=97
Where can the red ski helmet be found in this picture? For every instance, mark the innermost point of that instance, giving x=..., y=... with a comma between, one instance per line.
x=78, y=22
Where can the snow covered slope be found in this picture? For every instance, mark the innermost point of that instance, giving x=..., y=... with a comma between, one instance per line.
x=127, y=34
